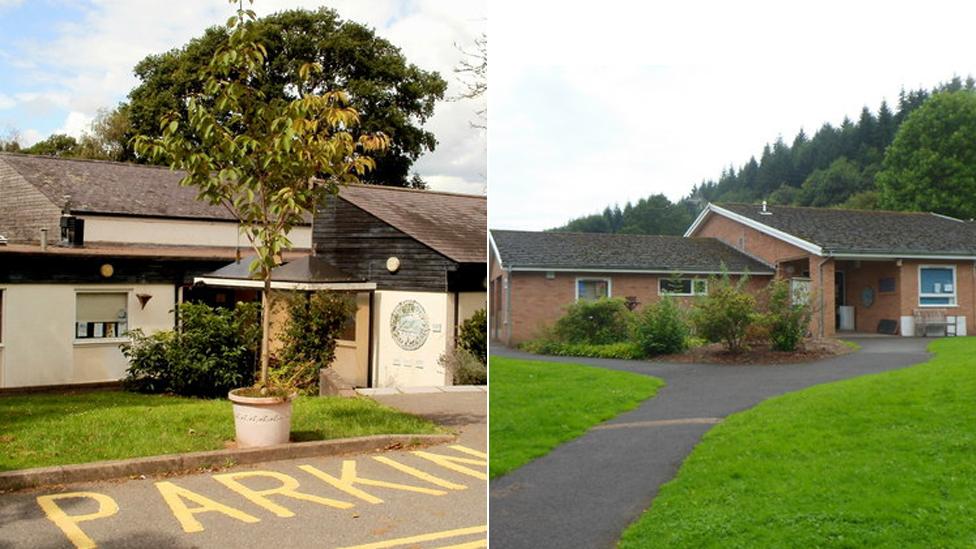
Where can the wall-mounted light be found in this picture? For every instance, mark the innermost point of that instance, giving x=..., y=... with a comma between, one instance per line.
x=143, y=299
x=106, y=270
x=393, y=264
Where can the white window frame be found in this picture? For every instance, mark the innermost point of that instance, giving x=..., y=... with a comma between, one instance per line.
x=954, y=296
x=661, y=292
x=101, y=340
x=579, y=279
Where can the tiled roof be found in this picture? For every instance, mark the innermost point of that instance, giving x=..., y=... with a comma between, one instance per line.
x=840, y=231
x=583, y=251
x=453, y=225
x=104, y=187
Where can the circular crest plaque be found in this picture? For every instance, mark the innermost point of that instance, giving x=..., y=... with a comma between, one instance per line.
x=409, y=325
x=867, y=296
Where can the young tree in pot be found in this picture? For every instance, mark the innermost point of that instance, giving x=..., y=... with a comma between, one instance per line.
x=269, y=162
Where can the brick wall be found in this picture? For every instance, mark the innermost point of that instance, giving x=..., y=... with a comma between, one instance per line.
x=860, y=275
x=538, y=302
x=748, y=240
x=24, y=210
x=773, y=251
x=965, y=290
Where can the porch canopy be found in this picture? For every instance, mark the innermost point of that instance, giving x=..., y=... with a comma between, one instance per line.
x=308, y=273
x=870, y=269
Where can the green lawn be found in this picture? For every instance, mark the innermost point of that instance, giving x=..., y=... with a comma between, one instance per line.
x=51, y=429
x=887, y=460
x=536, y=406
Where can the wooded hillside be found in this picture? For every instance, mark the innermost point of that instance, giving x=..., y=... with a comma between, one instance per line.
x=835, y=167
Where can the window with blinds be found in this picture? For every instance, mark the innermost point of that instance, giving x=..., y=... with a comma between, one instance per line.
x=101, y=315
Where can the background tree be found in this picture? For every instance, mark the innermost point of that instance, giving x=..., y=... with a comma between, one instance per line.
x=391, y=95
x=837, y=167
x=931, y=166
x=472, y=71
x=266, y=159
x=108, y=136
x=10, y=140
x=58, y=144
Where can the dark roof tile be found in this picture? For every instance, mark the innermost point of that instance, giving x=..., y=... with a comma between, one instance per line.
x=451, y=224
x=867, y=231
x=120, y=188
x=585, y=251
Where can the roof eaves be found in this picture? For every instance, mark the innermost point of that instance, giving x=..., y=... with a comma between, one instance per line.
x=634, y=270
x=494, y=247
x=900, y=254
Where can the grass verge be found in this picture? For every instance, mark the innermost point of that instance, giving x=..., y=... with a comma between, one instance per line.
x=886, y=460
x=60, y=429
x=536, y=405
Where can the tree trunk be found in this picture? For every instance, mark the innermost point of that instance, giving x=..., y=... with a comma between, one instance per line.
x=265, y=327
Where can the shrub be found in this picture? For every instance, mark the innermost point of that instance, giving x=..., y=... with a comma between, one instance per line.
x=473, y=335
x=595, y=322
x=786, y=321
x=314, y=323
x=661, y=329
x=464, y=367
x=213, y=351
x=622, y=350
x=725, y=314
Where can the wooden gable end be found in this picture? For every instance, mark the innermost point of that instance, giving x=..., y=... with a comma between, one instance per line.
x=360, y=244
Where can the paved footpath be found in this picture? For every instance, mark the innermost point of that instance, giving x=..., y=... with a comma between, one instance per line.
x=429, y=497
x=587, y=491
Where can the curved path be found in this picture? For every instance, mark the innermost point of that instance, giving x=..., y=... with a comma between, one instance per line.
x=585, y=492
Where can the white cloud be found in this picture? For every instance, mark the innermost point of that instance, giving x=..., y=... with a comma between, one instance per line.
x=6, y=102
x=29, y=136
x=76, y=124
x=456, y=185
x=631, y=99
x=89, y=65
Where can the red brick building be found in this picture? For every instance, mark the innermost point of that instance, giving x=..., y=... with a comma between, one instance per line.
x=863, y=267
x=535, y=275
x=905, y=273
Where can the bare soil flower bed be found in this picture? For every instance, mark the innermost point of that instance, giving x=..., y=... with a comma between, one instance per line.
x=761, y=353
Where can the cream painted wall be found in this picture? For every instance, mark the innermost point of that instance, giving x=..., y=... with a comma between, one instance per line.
x=395, y=366
x=39, y=345
x=352, y=356
x=175, y=232
x=469, y=303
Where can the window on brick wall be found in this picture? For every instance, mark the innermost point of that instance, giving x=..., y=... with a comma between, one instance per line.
x=683, y=286
x=592, y=288
x=936, y=286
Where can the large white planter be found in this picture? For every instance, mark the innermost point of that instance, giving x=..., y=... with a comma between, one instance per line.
x=261, y=421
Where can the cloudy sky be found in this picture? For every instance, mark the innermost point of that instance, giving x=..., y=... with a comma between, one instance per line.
x=62, y=60
x=609, y=105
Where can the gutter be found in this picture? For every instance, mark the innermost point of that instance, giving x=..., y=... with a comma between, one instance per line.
x=282, y=285
x=508, y=305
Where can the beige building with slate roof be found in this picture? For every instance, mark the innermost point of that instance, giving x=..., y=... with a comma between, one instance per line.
x=95, y=248
x=420, y=257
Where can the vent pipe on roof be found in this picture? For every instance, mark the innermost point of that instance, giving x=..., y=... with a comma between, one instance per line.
x=764, y=210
